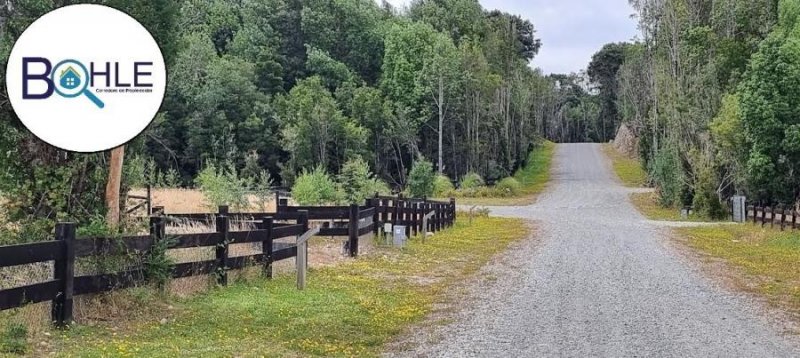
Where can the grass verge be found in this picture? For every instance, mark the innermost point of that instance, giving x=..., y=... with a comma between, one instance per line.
x=768, y=260
x=348, y=310
x=533, y=179
x=628, y=170
x=648, y=205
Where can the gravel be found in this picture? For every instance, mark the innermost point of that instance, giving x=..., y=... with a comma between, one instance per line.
x=599, y=281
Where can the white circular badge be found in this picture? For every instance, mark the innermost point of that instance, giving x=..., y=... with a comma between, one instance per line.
x=86, y=78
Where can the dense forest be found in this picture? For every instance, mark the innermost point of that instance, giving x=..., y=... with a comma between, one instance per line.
x=711, y=90
x=263, y=91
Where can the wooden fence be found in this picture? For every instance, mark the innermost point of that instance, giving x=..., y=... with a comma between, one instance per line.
x=66, y=248
x=288, y=221
x=778, y=215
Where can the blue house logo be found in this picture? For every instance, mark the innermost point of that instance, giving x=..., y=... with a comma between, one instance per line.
x=69, y=78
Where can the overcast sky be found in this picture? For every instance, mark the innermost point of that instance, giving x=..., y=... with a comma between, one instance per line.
x=571, y=30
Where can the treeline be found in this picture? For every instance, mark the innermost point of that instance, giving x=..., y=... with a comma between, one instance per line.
x=271, y=89
x=712, y=92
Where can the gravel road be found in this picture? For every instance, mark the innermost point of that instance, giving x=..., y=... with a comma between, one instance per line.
x=601, y=281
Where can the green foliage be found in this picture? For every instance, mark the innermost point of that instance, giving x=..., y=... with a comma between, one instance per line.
x=357, y=182
x=666, y=172
x=315, y=188
x=442, y=186
x=470, y=181
x=770, y=108
x=222, y=185
x=157, y=264
x=421, y=179
x=14, y=339
x=510, y=186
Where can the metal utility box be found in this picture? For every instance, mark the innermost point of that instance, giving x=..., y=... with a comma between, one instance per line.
x=399, y=238
x=739, y=207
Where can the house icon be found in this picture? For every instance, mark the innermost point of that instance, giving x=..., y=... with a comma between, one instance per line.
x=69, y=78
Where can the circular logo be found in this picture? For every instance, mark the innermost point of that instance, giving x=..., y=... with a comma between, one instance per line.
x=86, y=78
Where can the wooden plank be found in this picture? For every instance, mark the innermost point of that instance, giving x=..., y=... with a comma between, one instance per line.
x=365, y=230
x=19, y=296
x=240, y=237
x=334, y=231
x=366, y=213
x=196, y=240
x=193, y=268
x=283, y=254
x=111, y=246
x=22, y=254
x=287, y=231
x=108, y=282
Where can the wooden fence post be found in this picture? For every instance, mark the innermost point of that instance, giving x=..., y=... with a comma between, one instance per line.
x=352, y=241
x=64, y=272
x=415, y=218
x=452, y=211
x=266, y=247
x=158, y=231
x=223, y=227
x=374, y=203
x=157, y=210
x=794, y=219
x=303, y=220
x=149, y=199
x=282, y=204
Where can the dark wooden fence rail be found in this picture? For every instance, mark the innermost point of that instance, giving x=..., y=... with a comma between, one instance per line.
x=288, y=221
x=66, y=248
x=780, y=215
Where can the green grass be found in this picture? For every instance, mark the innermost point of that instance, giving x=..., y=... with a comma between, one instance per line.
x=648, y=205
x=533, y=179
x=348, y=310
x=768, y=260
x=629, y=170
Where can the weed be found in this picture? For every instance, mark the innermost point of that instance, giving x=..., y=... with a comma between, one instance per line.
x=14, y=339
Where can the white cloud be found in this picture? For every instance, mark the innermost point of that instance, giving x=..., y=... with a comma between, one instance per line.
x=571, y=30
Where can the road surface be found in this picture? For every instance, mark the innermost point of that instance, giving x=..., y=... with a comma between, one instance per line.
x=601, y=282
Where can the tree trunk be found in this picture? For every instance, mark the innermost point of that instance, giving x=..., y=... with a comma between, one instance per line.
x=113, y=186
x=441, y=122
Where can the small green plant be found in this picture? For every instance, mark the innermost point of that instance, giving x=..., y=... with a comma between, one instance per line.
x=14, y=339
x=157, y=264
x=442, y=186
x=421, y=179
x=471, y=181
x=357, y=182
x=509, y=187
x=315, y=188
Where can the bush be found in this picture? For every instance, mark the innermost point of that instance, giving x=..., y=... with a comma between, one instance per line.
x=509, y=186
x=357, y=182
x=442, y=186
x=471, y=181
x=223, y=186
x=421, y=179
x=315, y=188
x=666, y=171
x=14, y=339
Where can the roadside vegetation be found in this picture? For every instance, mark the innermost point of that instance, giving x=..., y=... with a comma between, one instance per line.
x=628, y=170
x=351, y=309
x=519, y=189
x=766, y=261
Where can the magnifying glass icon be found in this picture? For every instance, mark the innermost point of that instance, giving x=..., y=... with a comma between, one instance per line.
x=71, y=79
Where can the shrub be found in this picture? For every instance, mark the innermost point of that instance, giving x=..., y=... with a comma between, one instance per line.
x=471, y=180
x=315, y=188
x=666, y=171
x=14, y=339
x=509, y=186
x=421, y=179
x=442, y=186
x=223, y=186
x=358, y=183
